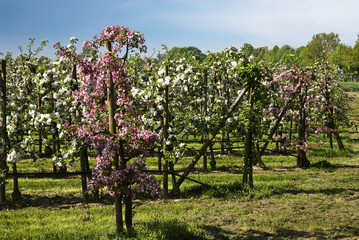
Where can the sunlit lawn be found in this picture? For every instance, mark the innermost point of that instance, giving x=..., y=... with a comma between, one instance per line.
x=286, y=202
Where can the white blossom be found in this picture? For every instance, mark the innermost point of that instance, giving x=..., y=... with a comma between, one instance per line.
x=13, y=157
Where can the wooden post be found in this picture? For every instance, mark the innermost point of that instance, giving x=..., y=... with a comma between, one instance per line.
x=115, y=157
x=3, y=166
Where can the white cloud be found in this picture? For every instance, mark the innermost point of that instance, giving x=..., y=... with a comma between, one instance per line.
x=280, y=21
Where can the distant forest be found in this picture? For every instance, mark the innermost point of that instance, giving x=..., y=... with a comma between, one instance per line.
x=322, y=47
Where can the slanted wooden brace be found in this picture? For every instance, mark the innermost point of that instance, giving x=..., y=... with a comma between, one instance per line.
x=219, y=126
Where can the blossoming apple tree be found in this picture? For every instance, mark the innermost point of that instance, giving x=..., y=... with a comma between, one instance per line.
x=111, y=124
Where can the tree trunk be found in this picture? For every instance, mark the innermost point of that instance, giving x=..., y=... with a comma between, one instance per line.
x=248, y=143
x=16, y=194
x=165, y=137
x=3, y=166
x=213, y=162
x=40, y=125
x=83, y=159
x=115, y=158
x=175, y=189
x=205, y=128
x=336, y=132
x=159, y=159
x=339, y=141
x=331, y=140
x=128, y=209
x=204, y=137
x=222, y=141
x=302, y=160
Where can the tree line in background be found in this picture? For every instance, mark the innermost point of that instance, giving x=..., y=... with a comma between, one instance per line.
x=323, y=47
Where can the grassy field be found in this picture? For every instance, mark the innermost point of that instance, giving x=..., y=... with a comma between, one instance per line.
x=286, y=203
x=350, y=86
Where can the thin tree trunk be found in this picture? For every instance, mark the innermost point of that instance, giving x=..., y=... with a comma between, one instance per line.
x=205, y=127
x=53, y=125
x=128, y=209
x=248, y=143
x=40, y=125
x=159, y=159
x=165, y=137
x=302, y=160
x=115, y=157
x=83, y=159
x=331, y=140
x=3, y=166
x=16, y=194
x=339, y=141
x=222, y=141
x=213, y=162
x=175, y=189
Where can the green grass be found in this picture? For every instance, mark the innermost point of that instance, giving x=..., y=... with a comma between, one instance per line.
x=350, y=86
x=286, y=202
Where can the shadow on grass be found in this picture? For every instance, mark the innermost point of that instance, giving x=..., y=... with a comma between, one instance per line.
x=233, y=190
x=328, y=191
x=216, y=190
x=332, y=153
x=169, y=229
x=331, y=167
x=285, y=233
x=51, y=202
x=217, y=233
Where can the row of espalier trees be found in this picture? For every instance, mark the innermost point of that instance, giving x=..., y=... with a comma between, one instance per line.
x=119, y=102
x=202, y=99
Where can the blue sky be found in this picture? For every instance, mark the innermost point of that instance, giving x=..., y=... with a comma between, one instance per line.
x=207, y=24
